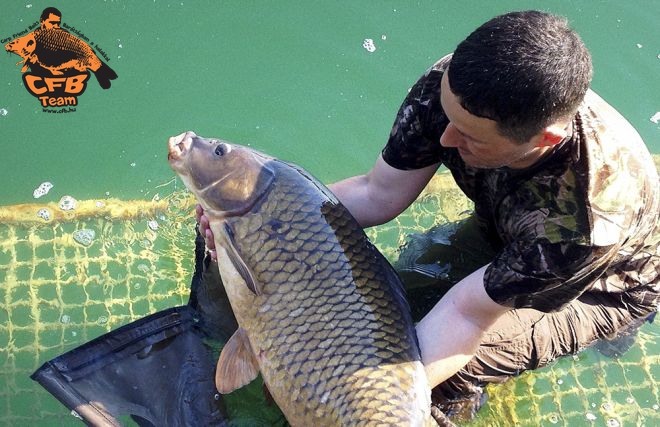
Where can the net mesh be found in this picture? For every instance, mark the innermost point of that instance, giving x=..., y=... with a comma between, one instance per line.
x=60, y=290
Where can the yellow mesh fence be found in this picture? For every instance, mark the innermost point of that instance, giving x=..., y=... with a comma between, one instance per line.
x=62, y=285
x=58, y=292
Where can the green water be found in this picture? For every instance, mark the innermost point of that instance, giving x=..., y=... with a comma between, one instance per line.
x=291, y=78
x=287, y=77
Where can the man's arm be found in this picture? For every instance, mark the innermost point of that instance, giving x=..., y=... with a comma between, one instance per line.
x=451, y=332
x=383, y=193
x=372, y=199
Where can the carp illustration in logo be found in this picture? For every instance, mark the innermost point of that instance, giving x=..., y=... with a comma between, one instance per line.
x=59, y=62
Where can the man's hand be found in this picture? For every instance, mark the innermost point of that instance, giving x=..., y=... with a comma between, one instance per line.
x=205, y=231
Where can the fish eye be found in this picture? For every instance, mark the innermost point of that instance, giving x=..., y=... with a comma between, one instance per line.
x=221, y=149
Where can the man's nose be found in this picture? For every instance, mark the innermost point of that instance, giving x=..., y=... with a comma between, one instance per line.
x=451, y=137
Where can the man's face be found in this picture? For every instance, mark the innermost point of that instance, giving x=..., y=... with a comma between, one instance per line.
x=53, y=21
x=477, y=140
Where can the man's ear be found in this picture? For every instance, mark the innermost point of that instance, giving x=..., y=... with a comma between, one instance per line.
x=552, y=135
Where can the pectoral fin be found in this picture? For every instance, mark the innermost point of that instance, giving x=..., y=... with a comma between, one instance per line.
x=238, y=263
x=237, y=365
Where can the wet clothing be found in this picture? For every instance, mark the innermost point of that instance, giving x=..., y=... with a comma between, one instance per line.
x=574, y=237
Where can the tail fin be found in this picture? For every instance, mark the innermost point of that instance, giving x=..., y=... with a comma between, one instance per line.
x=104, y=74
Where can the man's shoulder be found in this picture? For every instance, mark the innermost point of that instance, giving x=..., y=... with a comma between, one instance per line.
x=603, y=122
x=419, y=123
x=430, y=80
x=442, y=63
x=614, y=151
x=622, y=181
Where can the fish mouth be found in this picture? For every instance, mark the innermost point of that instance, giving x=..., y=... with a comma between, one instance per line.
x=179, y=146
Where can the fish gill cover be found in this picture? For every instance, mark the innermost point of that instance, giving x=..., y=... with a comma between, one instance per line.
x=58, y=61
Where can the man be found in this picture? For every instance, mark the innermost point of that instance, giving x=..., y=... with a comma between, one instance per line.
x=564, y=191
x=50, y=18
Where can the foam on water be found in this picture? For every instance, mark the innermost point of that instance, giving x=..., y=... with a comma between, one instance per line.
x=42, y=189
x=85, y=237
x=369, y=45
x=68, y=203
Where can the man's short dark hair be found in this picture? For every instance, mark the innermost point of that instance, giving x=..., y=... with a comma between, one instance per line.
x=525, y=70
x=47, y=11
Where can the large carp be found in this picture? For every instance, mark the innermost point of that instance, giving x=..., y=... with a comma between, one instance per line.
x=321, y=313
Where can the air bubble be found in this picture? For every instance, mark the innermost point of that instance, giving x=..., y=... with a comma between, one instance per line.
x=613, y=422
x=68, y=203
x=85, y=236
x=369, y=45
x=42, y=189
x=44, y=214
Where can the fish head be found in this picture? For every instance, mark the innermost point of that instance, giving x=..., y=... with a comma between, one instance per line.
x=227, y=179
x=22, y=46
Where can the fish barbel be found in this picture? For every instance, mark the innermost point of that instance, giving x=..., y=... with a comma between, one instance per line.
x=321, y=313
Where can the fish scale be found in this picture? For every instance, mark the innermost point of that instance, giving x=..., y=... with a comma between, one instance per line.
x=313, y=354
x=324, y=312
